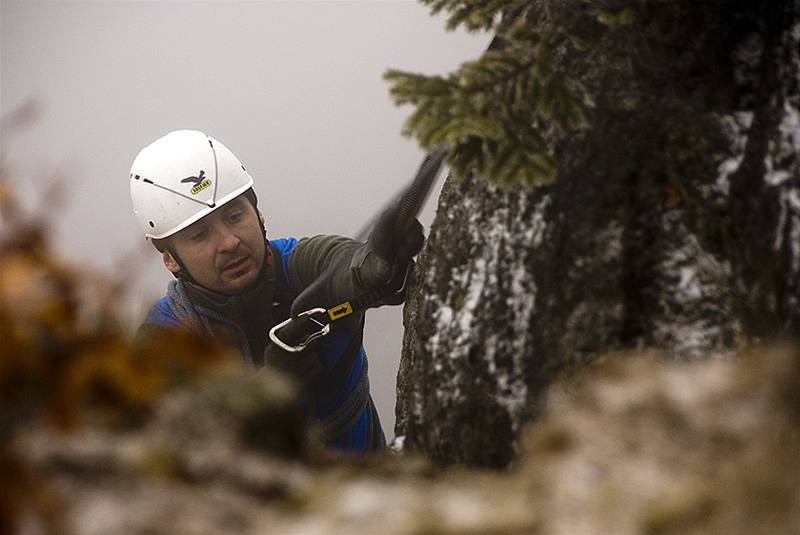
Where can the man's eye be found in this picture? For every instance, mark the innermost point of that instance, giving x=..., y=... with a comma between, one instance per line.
x=235, y=217
x=199, y=236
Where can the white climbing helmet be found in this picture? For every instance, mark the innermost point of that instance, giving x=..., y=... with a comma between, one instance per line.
x=181, y=177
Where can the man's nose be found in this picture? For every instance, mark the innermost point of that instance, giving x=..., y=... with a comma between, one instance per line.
x=228, y=240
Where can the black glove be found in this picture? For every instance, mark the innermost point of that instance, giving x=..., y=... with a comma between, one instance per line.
x=305, y=367
x=391, y=243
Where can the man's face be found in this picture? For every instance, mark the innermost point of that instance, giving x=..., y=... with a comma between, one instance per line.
x=223, y=251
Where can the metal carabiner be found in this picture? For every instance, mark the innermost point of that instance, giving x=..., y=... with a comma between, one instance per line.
x=325, y=329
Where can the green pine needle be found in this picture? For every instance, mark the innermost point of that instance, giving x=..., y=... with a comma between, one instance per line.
x=486, y=113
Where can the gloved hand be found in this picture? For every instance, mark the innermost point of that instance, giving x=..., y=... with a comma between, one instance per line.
x=391, y=243
x=305, y=367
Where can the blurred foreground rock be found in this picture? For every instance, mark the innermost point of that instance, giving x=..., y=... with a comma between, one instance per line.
x=633, y=445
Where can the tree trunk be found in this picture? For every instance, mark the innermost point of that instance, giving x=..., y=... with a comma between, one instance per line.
x=674, y=222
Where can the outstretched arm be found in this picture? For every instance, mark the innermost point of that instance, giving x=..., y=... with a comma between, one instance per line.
x=349, y=267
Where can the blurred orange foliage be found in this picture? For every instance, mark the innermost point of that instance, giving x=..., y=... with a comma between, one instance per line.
x=60, y=366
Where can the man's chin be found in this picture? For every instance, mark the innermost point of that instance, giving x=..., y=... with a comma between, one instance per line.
x=242, y=282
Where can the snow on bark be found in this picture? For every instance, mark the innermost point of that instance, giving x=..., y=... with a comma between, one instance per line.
x=783, y=173
x=695, y=305
x=480, y=299
x=456, y=333
x=674, y=223
x=736, y=127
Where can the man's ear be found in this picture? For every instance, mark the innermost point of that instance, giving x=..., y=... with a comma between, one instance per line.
x=170, y=262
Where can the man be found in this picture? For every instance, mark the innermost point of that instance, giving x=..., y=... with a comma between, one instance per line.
x=194, y=200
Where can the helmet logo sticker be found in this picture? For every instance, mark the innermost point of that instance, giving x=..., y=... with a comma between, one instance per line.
x=199, y=181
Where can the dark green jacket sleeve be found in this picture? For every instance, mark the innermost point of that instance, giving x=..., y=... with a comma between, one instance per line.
x=356, y=269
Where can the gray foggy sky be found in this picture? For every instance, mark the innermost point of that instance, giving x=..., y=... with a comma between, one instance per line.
x=294, y=89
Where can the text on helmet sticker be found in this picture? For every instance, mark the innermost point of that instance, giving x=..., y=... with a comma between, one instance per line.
x=199, y=181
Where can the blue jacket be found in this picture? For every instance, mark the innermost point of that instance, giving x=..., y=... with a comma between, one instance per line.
x=341, y=402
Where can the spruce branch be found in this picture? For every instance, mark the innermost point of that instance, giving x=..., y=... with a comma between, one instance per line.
x=482, y=112
x=476, y=15
x=491, y=113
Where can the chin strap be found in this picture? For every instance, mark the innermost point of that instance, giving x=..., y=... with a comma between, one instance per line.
x=183, y=274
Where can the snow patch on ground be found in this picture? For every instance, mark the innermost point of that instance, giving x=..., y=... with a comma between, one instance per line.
x=397, y=444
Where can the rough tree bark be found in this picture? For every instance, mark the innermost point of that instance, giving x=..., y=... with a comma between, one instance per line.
x=674, y=222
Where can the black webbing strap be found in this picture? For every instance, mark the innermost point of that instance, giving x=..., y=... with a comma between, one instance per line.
x=376, y=440
x=346, y=415
x=395, y=285
x=341, y=370
x=297, y=331
x=284, y=296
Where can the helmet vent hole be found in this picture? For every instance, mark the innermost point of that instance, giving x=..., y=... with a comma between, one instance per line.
x=243, y=169
x=152, y=225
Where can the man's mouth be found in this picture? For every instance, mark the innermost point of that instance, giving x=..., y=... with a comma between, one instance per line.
x=236, y=265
